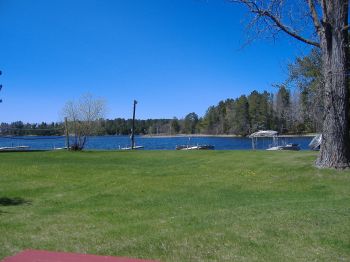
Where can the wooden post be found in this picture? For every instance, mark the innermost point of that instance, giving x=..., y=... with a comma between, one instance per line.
x=67, y=133
x=133, y=127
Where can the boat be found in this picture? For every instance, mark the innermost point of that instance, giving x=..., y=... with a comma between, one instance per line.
x=130, y=148
x=197, y=147
x=292, y=147
x=14, y=148
x=60, y=148
x=22, y=147
x=6, y=148
x=206, y=147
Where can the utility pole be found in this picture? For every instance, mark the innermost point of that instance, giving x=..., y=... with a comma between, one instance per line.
x=133, y=127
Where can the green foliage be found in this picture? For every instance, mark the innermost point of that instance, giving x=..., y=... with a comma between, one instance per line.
x=210, y=122
x=260, y=110
x=175, y=126
x=19, y=128
x=190, y=123
x=175, y=206
x=282, y=108
x=306, y=74
x=241, y=116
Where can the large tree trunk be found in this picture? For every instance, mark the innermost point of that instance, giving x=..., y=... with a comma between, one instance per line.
x=335, y=151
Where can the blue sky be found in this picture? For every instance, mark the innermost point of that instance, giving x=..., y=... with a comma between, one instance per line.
x=173, y=56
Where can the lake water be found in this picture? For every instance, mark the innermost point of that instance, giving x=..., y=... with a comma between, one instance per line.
x=152, y=143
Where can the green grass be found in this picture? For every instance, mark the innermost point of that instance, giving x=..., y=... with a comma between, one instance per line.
x=176, y=206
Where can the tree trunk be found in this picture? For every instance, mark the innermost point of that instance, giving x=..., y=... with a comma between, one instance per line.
x=335, y=151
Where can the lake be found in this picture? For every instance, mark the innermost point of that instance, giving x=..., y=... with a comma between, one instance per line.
x=151, y=143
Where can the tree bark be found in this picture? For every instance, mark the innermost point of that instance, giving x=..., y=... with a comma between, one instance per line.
x=335, y=151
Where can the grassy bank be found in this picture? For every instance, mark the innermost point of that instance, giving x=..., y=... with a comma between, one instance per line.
x=175, y=206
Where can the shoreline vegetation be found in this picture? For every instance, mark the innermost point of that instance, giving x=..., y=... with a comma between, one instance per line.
x=229, y=118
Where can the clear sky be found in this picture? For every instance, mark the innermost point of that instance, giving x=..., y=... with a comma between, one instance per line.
x=173, y=56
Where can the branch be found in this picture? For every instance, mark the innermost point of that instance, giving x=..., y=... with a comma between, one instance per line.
x=254, y=8
x=314, y=16
x=288, y=30
x=324, y=11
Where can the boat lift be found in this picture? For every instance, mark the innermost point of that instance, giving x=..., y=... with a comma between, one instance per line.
x=263, y=133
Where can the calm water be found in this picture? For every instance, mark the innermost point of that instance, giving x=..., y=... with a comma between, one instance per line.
x=151, y=143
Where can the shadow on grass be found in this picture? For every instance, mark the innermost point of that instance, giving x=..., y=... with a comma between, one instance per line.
x=15, y=201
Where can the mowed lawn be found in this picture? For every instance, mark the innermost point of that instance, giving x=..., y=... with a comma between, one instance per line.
x=175, y=206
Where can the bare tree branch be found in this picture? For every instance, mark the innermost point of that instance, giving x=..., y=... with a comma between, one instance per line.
x=314, y=16
x=83, y=118
x=261, y=12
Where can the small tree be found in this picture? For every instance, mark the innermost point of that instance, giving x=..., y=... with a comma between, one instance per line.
x=84, y=118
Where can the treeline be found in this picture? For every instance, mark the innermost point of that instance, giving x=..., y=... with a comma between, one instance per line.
x=19, y=128
x=283, y=111
x=296, y=107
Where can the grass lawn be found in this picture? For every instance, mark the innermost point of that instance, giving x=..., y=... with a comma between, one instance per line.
x=175, y=206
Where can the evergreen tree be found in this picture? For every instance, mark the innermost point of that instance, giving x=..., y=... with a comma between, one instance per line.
x=175, y=126
x=282, y=109
x=190, y=123
x=241, y=116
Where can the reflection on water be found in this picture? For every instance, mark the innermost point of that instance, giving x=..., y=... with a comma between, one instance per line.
x=153, y=143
